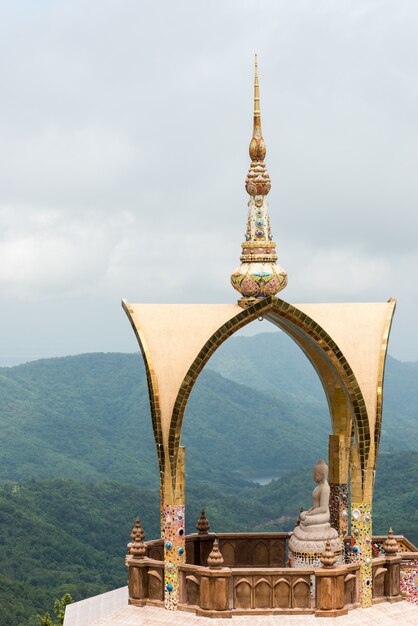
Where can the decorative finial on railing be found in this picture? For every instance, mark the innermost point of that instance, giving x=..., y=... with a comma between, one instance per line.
x=215, y=558
x=259, y=275
x=202, y=524
x=137, y=529
x=390, y=545
x=138, y=548
x=328, y=557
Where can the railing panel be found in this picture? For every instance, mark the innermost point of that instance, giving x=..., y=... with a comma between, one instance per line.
x=192, y=590
x=301, y=593
x=262, y=593
x=242, y=594
x=261, y=554
x=156, y=584
x=281, y=594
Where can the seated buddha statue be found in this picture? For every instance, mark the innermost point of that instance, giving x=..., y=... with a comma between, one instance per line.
x=313, y=529
x=317, y=517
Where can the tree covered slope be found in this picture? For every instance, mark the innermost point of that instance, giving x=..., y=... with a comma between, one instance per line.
x=87, y=417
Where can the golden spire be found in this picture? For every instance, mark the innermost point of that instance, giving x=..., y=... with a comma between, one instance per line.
x=257, y=118
x=259, y=275
x=258, y=180
x=257, y=145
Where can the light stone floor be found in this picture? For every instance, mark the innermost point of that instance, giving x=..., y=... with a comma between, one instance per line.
x=109, y=609
x=401, y=614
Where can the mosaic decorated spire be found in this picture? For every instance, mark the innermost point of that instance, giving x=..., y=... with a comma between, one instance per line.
x=259, y=275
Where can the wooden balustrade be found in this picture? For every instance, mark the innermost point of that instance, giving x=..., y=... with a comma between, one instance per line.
x=238, y=549
x=277, y=590
x=254, y=579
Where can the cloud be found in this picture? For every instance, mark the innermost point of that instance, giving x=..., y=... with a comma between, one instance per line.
x=124, y=131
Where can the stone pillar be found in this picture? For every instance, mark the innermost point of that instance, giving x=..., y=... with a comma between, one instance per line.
x=214, y=593
x=137, y=566
x=329, y=591
x=393, y=578
x=361, y=548
x=137, y=581
x=214, y=586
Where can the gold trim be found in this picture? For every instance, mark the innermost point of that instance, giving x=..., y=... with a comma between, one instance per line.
x=304, y=329
x=381, y=374
x=152, y=383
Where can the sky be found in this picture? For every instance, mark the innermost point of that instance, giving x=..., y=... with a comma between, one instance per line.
x=124, y=132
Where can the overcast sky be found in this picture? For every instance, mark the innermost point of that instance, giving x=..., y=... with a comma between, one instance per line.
x=124, y=131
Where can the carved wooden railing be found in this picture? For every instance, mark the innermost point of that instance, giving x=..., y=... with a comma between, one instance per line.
x=238, y=549
x=254, y=579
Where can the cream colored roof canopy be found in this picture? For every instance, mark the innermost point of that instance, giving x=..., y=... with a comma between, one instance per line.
x=177, y=340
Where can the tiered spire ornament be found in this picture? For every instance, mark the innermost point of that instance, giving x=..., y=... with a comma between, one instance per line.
x=259, y=275
x=215, y=558
x=328, y=557
x=138, y=548
x=203, y=524
x=390, y=545
x=136, y=530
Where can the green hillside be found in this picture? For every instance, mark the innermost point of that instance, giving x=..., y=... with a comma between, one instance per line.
x=64, y=536
x=272, y=363
x=89, y=415
x=77, y=460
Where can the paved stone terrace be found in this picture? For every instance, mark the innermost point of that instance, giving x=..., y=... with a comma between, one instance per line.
x=385, y=614
x=110, y=609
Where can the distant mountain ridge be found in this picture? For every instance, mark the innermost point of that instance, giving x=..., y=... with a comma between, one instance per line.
x=251, y=411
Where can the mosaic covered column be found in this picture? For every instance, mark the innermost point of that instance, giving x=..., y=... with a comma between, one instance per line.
x=173, y=529
x=174, y=534
x=361, y=494
x=361, y=548
x=338, y=507
x=338, y=502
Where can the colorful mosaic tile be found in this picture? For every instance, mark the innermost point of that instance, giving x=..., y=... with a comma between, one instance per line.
x=174, y=534
x=338, y=507
x=361, y=548
x=409, y=580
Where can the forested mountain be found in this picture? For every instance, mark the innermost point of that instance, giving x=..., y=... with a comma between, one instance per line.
x=89, y=415
x=61, y=536
x=272, y=363
x=77, y=460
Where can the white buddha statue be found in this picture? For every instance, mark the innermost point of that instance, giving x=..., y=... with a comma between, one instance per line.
x=317, y=517
x=307, y=542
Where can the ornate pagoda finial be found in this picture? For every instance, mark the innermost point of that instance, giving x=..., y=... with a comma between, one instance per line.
x=390, y=545
x=328, y=557
x=258, y=179
x=259, y=275
x=136, y=530
x=202, y=524
x=215, y=558
x=138, y=548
